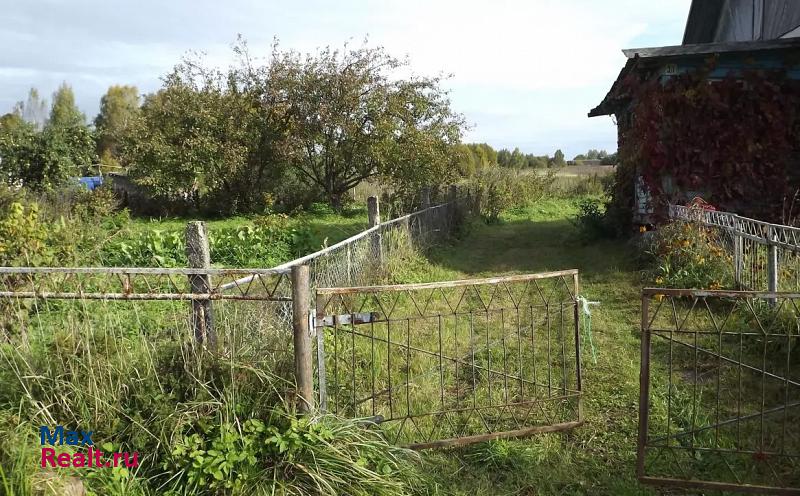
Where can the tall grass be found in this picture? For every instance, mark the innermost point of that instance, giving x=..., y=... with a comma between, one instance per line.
x=130, y=372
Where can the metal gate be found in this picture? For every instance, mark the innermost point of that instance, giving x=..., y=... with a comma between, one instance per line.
x=450, y=363
x=720, y=390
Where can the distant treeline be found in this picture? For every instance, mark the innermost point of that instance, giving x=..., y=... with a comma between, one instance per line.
x=473, y=157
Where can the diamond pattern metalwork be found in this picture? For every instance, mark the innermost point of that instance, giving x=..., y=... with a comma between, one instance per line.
x=456, y=361
x=724, y=366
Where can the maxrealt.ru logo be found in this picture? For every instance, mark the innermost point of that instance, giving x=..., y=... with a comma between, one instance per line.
x=81, y=439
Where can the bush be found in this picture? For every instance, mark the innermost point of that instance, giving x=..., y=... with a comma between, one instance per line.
x=591, y=220
x=308, y=455
x=500, y=189
x=689, y=256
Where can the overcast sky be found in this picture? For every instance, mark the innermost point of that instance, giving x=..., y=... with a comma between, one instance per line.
x=525, y=72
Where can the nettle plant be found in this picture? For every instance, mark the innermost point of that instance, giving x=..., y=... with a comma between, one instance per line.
x=734, y=139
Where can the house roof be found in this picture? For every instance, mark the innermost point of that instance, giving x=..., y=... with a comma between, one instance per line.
x=701, y=25
x=644, y=59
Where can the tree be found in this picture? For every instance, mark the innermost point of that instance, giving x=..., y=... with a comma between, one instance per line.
x=517, y=159
x=558, y=159
x=64, y=113
x=11, y=121
x=504, y=158
x=354, y=117
x=218, y=139
x=43, y=159
x=33, y=110
x=119, y=107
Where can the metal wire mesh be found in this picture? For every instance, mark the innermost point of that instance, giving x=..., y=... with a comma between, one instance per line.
x=368, y=257
x=764, y=256
x=448, y=363
x=150, y=308
x=720, y=392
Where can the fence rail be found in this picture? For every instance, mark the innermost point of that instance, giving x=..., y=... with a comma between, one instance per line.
x=764, y=256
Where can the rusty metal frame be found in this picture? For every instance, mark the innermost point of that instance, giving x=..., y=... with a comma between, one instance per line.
x=684, y=310
x=118, y=283
x=362, y=309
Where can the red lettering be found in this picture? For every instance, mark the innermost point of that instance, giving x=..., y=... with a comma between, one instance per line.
x=117, y=456
x=64, y=460
x=135, y=462
x=48, y=455
x=97, y=461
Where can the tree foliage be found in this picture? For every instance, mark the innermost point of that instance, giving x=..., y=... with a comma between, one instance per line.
x=353, y=117
x=65, y=113
x=119, y=107
x=42, y=159
x=318, y=124
x=558, y=159
x=214, y=138
x=474, y=157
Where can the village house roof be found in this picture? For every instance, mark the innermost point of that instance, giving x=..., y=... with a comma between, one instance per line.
x=656, y=60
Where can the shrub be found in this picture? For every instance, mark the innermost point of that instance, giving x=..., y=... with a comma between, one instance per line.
x=22, y=236
x=689, y=256
x=98, y=203
x=500, y=189
x=591, y=220
x=299, y=455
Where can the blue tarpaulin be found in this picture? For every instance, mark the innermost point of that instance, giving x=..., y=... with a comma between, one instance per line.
x=91, y=182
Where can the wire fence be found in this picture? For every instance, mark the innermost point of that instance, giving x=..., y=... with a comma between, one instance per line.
x=764, y=256
x=720, y=391
x=34, y=297
x=371, y=255
x=453, y=362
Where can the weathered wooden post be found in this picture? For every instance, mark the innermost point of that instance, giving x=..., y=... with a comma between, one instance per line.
x=374, y=215
x=199, y=255
x=303, y=368
x=772, y=263
x=738, y=254
x=425, y=197
x=454, y=209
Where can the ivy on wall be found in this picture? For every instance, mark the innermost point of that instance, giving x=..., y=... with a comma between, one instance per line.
x=736, y=141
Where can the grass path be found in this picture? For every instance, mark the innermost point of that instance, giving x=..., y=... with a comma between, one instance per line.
x=597, y=458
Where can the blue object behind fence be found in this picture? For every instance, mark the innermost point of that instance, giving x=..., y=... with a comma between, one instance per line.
x=91, y=182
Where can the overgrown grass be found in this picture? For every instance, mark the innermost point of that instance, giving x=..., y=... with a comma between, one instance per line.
x=597, y=458
x=171, y=395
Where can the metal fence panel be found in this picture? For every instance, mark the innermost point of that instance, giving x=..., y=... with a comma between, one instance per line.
x=450, y=363
x=720, y=390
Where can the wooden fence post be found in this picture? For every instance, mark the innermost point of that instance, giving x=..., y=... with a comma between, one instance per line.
x=303, y=368
x=425, y=197
x=199, y=255
x=374, y=215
